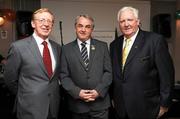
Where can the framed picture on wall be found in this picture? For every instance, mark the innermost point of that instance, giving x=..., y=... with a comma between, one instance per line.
x=3, y=34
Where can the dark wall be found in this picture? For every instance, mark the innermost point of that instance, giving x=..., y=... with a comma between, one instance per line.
x=162, y=24
x=23, y=24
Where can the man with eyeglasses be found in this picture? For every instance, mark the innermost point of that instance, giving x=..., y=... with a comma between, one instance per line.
x=32, y=69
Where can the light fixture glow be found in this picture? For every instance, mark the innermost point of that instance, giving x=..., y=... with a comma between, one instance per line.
x=2, y=21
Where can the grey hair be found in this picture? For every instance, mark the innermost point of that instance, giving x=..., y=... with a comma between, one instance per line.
x=128, y=8
x=85, y=16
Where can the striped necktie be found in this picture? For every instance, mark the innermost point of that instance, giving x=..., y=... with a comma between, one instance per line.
x=84, y=54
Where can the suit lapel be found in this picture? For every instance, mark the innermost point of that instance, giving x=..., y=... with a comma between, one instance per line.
x=78, y=53
x=36, y=53
x=138, y=43
x=92, y=50
x=118, y=50
x=55, y=53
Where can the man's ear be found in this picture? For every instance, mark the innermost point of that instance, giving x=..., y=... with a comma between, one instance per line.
x=138, y=22
x=32, y=24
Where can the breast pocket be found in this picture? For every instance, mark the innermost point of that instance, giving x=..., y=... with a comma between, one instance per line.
x=145, y=58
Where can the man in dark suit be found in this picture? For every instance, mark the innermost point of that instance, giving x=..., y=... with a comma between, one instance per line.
x=142, y=86
x=35, y=84
x=86, y=73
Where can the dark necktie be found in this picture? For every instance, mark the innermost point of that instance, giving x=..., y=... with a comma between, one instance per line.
x=84, y=54
x=47, y=59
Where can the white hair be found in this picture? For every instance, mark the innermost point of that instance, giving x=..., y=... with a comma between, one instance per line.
x=128, y=8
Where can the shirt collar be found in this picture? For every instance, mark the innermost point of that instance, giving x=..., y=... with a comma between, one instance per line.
x=87, y=41
x=134, y=36
x=39, y=40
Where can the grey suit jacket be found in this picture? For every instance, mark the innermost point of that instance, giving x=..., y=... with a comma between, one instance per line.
x=26, y=76
x=75, y=76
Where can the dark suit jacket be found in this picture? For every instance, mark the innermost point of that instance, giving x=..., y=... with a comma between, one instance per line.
x=147, y=79
x=75, y=77
x=27, y=78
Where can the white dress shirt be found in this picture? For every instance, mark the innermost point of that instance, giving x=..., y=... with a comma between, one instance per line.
x=132, y=40
x=41, y=47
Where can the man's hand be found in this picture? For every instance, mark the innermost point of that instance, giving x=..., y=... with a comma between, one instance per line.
x=94, y=94
x=162, y=111
x=88, y=95
x=84, y=94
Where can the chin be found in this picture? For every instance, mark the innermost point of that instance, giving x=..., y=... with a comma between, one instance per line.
x=83, y=38
x=128, y=33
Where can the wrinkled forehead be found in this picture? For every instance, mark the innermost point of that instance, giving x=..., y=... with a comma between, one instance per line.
x=44, y=14
x=128, y=14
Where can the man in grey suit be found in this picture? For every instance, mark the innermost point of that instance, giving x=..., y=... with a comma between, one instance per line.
x=35, y=84
x=86, y=73
x=142, y=86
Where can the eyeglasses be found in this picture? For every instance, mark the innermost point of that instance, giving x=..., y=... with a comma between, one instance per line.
x=42, y=21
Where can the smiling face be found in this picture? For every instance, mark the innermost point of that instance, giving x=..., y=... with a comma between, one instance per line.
x=42, y=23
x=84, y=28
x=128, y=23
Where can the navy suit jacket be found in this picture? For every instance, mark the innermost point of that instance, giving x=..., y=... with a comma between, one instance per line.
x=147, y=80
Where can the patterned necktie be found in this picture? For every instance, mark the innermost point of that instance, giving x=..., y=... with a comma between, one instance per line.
x=84, y=53
x=47, y=59
x=126, y=50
